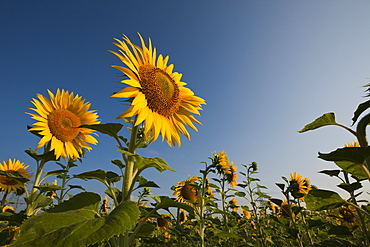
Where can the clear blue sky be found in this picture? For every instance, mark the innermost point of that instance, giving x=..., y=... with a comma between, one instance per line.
x=265, y=68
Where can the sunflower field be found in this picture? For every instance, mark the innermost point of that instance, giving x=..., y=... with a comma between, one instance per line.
x=221, y=206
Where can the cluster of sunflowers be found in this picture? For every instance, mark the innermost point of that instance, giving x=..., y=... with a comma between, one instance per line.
x=212, y=209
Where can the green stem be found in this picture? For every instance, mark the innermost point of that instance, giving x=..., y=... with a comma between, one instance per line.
x=4, y=198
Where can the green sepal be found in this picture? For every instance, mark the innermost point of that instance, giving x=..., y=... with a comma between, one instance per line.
x=324, y=120
x=110, y=129
x=317, y=200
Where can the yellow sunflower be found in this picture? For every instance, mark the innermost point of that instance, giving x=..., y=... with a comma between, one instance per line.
x=58, y=119
x=246, y=213
x=352, y=144
x=299, y=186
x=185, y=191
x=232, y=176
x=285, y=210
x=223, y=163
x=163, y=222
x=158, y=96
x=183, y=216
x=347, y=215
x=16, y=167
x=233, y=204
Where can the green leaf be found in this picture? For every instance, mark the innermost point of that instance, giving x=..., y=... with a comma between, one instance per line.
x=356, y=155
x=350, y=187
x=37, y=200
x=118, y=163
x=339, y=230
x=49, y=187
x=334, y=242
x=276, y=201
x=145, y=230
x=15, y=176
x=13, y=218
x=281, y=186
x=143, y=182
x=83, y=200
x=56, y=172
x=322, y=200
x=49, y=156
x=166, y=202
x=110, y=129
x=99, y=175
x=355, y=170
x=360, y=109
x=113, y=177
x=157, y=163
x=324, y=120
x=331, y=173
x=76, y=187
x=240, y=194
x=77, y=228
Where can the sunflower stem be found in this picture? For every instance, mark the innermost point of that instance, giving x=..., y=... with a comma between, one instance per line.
x=4, y=198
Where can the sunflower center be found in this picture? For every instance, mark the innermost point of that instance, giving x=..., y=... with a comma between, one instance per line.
x=63, y=124
x=160, y=90
x=8, y=181
x=188, y=192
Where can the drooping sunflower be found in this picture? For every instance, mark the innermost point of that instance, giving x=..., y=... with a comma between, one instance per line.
x=346, y=215
x=222, y=163
x=232, y=176
x=298, y=185
x=163, y=222
x=16, y=167
x=58, y=122
x=285, y=209
x=186, y=191
x=159, y=98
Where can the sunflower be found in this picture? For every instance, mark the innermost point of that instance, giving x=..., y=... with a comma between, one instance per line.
x=352, y=144
x=285, y=209
x=58, y=119
x=246, y=213
x=7, y=208
x=222, y=163
x=299, y=186
x=158, y=96
x=233, y=203
x=232, y=176
x=346, y=215
x=163, y=222
x=16, y=167
x=186, y=192
x=183, y=216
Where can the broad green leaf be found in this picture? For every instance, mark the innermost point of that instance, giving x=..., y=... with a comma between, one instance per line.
x=55, y=172
x=49, y=156
x=350, y=187
x=324, y=120
x=240, y=193
x=99, y=174
x=37, y=200
x=331, y=173
x=76, y=187
x=113, y=177
x=157, y=163
x=360, y=109
x=339, y=230
x=49, y=187
x=13, y=218
x=356, y=155
x=110, y=129
x=118, y=163
x=76, y=228
x=334, y=242
x=143, y=182
x=356, y=170
x=323, y=200
x=281, y=186
x=83, y=200
x=276, y=201
x=146, y=230
x=166, y=202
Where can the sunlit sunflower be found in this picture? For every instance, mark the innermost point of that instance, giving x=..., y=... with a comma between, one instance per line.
x=233, y=204
x=273, y=207
x=298, y=185
x=352, y=144
x=58, y=119
x=7, y=208
x=246, y=213
x=159, y=98
x=163, y=222
x=185, y=191
x=183, y=216
x=16, y=167
x=232, y=176
x=222, y=163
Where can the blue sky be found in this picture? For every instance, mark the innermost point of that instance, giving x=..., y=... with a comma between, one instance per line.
x=265, y=69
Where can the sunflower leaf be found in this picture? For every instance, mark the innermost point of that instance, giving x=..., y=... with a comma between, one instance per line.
x=322, y=200
x=143, y=163
x=356, y=170
x=324, y=120
x=166, y=202
x=356, y=155
x=75, y=228
x=99, y=175
x=110, y=129
x=15, y=176
x=360, y=109
x=51, y=187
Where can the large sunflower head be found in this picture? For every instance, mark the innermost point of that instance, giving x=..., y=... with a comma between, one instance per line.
x=298, y=185
x=164, y=222
x=187, y=192
x=16, y=167
x=159, y=99
x=58, y=121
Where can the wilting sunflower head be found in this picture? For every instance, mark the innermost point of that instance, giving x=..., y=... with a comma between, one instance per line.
x=222, y=163
x=298, y=185
x=352, y=144
x=16, y=167
x=346, y=215
x=159, y=99
x=163, y=222
x=232, y=176
x=58, y=122
x=285, y=210
x=186, y=191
